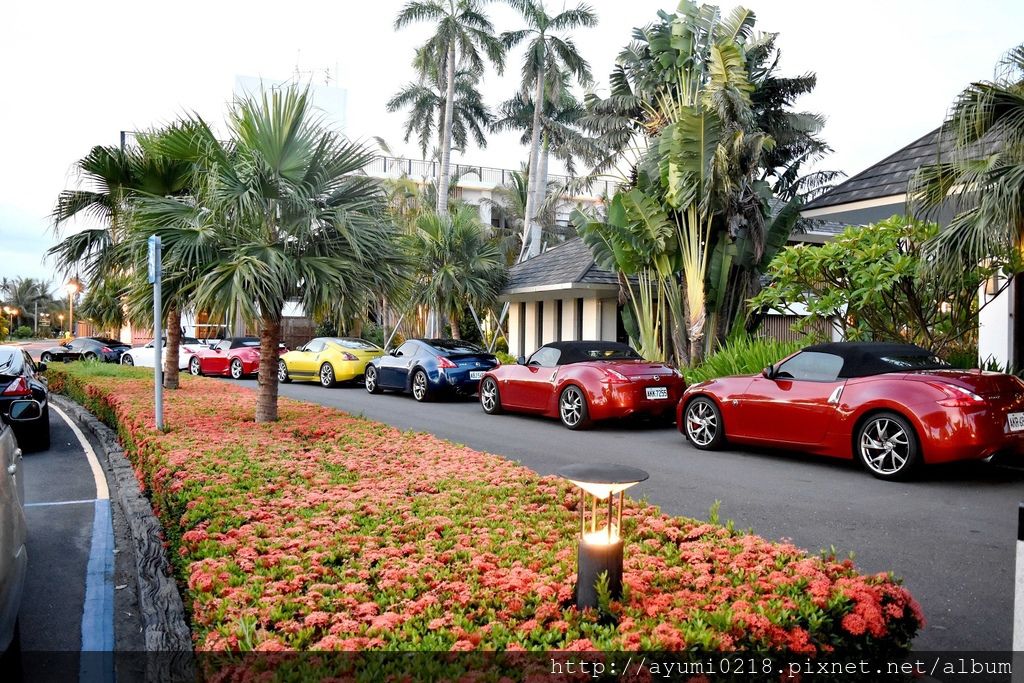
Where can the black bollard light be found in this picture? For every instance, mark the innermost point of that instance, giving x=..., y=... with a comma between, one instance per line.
x=600, y=546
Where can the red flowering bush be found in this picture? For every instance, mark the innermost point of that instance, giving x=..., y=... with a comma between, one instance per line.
x=327, y=531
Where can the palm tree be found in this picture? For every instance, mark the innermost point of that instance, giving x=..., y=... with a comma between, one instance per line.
x=28, y=295
x=463, y=35
x=457, y=264
x=118, y=177
x=282, y=212
x=550, y=59
x=425, y=99
x=981, y=178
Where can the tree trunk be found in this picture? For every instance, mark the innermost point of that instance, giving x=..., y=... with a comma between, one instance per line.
x=540, y=193
x=266, y=395
x=531, y=229
x=446, y=136
x=173, y=347
x=453, y=320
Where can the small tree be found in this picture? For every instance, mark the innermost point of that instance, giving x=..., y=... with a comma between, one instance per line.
x=867, y=284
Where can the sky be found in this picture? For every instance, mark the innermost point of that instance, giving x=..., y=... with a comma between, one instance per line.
x=74, y=74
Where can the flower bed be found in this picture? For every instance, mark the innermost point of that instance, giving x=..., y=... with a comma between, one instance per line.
x=328, y=531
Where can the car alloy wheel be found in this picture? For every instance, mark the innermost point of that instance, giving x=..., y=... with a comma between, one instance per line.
x=887, y=446
x=703, y=424
x=326, y=375
x=419, y=386
x=45, y=358
x=572, y=408
x=194, y=367
x=282, y=372
x=236, y=369
x=126, y=359
x=370, y=380
x=490, y=400
x=91, y=356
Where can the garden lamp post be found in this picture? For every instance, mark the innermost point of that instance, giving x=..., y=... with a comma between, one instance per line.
x=600, y=547
x=72, y=289
x=60, y=316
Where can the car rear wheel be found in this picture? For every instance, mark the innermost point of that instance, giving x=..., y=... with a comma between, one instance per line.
x=370, y=380
x=46, y=358
x=490, y=399
x=573, y=409
x=702, y=422
x=327, y=375
x=887, y=446
x=126, y=359
x=237, y=371
x=420, y=392
x=282, y=372
x=91, y=356
x=195, y=367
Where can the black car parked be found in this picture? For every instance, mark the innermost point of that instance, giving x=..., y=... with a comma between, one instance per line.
x=86, y=348
x=24, y=398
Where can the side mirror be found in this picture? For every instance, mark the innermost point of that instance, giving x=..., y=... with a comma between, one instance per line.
x=520, y=360
x=40, y=367
x=768, y=372
x=25, y=410
x=392, y=352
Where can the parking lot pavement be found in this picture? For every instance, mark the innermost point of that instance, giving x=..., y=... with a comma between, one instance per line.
x=951, y=534
x=69, y=602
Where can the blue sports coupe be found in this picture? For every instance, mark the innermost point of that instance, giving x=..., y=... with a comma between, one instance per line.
x=429, y=367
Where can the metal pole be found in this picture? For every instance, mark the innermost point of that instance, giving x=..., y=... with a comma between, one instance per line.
x=71, y=313
x=36, y=318
x=158, y=365
x=1018, y=602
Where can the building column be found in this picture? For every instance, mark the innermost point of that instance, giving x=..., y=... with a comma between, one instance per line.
x=548, y=331
x=569, y=319
x=531, y=323
x=996, y=325
x=515, y=339
x=591, y=318
x=609, y=319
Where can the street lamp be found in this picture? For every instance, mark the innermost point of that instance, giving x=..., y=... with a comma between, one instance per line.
x=600, y=548
x=11, y=311
x=60, y=316
x=72, y=289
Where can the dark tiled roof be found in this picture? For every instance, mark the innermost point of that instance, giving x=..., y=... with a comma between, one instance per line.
x=889, y=176
x=568, y=263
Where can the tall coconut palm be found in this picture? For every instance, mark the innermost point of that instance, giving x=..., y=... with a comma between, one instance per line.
x=282, y=212
x=115, y=177
x=980, y=179
x=456, y=263
x=28, y=295
x=463, y=35
x=425, y=100
x=551, y=56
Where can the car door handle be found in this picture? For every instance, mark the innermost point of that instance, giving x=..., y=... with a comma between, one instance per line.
x=11, y=469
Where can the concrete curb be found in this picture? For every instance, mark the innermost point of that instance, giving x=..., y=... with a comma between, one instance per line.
x=165, y=628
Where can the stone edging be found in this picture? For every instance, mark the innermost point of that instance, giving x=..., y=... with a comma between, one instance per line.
x=164, y=626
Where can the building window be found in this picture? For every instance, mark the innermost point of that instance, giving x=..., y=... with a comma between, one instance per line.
x=558, y=320
x=579, y=319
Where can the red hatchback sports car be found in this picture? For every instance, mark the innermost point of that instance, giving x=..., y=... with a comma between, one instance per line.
x=235, y=357
x=893, y=407
x=582, y=381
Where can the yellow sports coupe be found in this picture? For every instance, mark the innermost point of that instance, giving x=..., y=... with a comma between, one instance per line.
x=327, y=360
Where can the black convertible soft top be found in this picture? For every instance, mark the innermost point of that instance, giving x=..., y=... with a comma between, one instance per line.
x=863, y=359
x=582, y=351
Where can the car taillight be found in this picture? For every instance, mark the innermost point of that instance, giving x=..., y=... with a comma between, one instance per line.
x=349, y=356
x=105, y=349
x=616, y=375
x=445, y=363
x=18, y=387
x=956, y=396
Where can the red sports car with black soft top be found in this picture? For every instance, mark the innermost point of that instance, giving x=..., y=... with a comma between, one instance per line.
x=893, y=407
x=581, y=382
x=235, y=357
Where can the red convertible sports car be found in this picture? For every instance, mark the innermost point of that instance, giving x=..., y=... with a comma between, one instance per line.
x=893, y=407
x=235, y=357
x=582, y=381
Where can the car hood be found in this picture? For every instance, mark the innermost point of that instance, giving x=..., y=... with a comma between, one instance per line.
x=984, y=384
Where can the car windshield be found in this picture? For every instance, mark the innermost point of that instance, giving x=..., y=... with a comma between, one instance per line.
x=107, y=341
x=455, y=346
x=248, y=341
x=914, y=362
x=356, y=344
x=189, y=340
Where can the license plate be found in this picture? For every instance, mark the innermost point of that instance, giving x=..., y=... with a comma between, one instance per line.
x=657, y=392
x=1015, y=421
x=476, y=374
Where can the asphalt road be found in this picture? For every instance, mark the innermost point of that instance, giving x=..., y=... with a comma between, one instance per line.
x=951, y=534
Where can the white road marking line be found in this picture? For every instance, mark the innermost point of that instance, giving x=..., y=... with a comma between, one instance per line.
x=102, y=492
x=90, y=501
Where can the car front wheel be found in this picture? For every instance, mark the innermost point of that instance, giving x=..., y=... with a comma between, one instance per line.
x=127, y=360
x=370, y=380
x=46, y=358
x=702, y=423
x=887, y=446
x=573, y=409
x=490, y=399
x=195, y=367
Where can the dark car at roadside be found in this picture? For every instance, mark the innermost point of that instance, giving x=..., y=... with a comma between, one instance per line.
x=430, y=367
x=86, y=348
x=24, y=398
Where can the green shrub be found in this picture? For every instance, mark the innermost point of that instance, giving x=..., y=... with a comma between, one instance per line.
x=505, y=358
x=742, y=355
x=23, y=332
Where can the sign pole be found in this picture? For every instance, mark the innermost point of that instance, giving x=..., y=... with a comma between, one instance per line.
x=155, y=275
